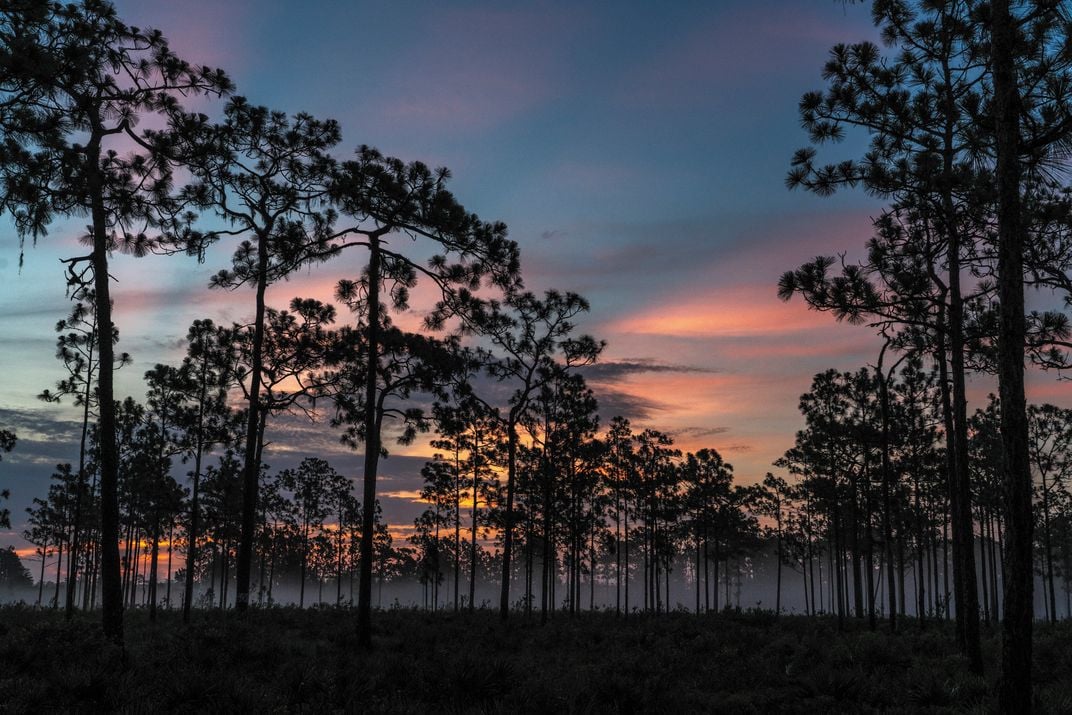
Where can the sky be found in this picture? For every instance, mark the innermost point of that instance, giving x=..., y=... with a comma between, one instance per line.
x=636, y=151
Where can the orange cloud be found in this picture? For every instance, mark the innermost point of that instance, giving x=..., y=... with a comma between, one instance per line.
x=723, y=312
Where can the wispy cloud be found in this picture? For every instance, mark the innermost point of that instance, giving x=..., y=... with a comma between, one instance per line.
x=697, y=432
x=616, y=370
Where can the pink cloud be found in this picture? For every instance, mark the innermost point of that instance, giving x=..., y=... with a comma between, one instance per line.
x=729, y=312
x=1046, y=387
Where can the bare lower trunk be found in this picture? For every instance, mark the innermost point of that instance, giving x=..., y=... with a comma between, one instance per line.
x=153, y=561
x=111, y=579
x=195, y=495
x=372, y=451
x=251, y=466
x=508, y=534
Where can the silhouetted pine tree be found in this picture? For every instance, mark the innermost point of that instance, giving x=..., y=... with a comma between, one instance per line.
x=76, y=81
x=388, y=199
x=266, y=176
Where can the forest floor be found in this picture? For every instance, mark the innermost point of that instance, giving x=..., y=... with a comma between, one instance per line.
x=286, y=660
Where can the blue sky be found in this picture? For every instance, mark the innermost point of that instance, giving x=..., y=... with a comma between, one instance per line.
x=636, y=150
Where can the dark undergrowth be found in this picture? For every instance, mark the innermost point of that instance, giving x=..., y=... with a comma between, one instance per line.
x=286, y=660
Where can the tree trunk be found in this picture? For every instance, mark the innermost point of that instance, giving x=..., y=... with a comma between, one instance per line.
x=72, y=563
x=457, y=530
x=111, y=579
x=171, y=548
x=153, y=562
x=547, y=538
x=372, y=450
x=508, y=526
x=472, y=545
x=887, y=486
x=625, y=554
x=617, y=546
x=963, y=531
x=1047, y=542
x=1015, y=688
x=987, y=614
x=251, y=466
x=778, y=555
x=41, y=581
x=59, y=572
x=921, y=548
x=195, y=495
x=304, y=560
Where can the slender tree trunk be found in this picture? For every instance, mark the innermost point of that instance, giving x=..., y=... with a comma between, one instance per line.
x=951, y=485
x=90, y=569
x=457, y=530
x=667, y=579
x=547, y=537
x=508, y=526
x=338, y=560
x=811, y=561
x=993, y=565
x=372, y=450
x=592, y=569
x=251, y=467
x=72, y=563
x=887, y=486
x=836, y=568
x=195, y=495
x=271, y=578
x=697, y=570
x=901, y=576
x=945, y=561
x=921, y=548
x=854, y=548
x=112, y=593
x=225, y=557
x=472, y=545
x=717, y=558
x=1066, y=554
x=968, y=605
x=872, y=616
x=617, y=546
x=304, y=559
x=262, y=559
x=1047, y=542
x=778, y=555
x=1015, y=688
x=153, y=563
x=171, y=548
x=41, y=581
x=706, y=574
x=59, y=572
x=987, y=614
x=625, y=542
x=530, y=563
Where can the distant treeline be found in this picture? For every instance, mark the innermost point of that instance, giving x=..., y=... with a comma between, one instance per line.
x=608, y=518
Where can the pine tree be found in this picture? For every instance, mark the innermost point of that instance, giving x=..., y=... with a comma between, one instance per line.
x=76, y=81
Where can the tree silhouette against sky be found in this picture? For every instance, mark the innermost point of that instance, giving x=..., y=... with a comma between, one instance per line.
x=76, y=81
